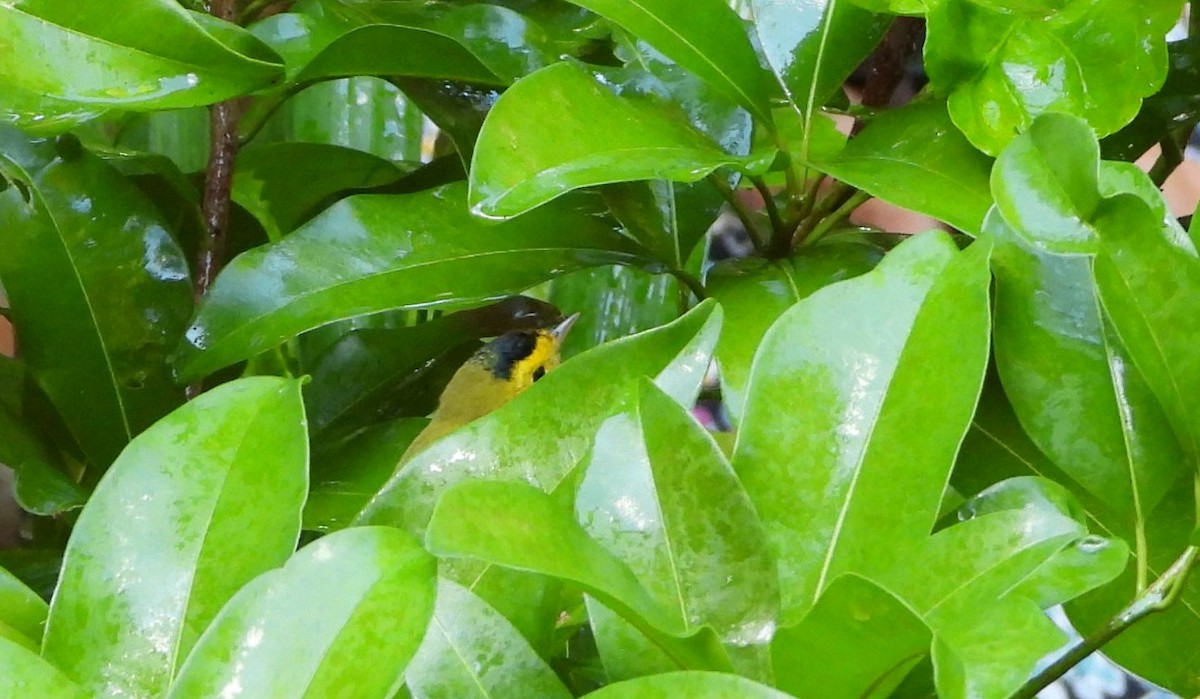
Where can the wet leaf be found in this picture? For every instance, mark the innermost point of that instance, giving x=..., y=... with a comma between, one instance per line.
x=1002, y=69
x=21, y=610
x=615, y=301
x=859, y=351
x=696, y=685
x=668, y=218
x=471, y=651
x=195, y=507
x=24, y=674
x=559, y=129
x=568, y=406
x=99, y=290
x=915, y=157
x=381, y=253
x=364, y=591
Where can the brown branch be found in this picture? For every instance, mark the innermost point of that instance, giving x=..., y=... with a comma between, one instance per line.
x=886, y=65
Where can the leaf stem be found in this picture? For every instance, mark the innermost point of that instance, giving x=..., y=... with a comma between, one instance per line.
x=692, y=283
x=837, y=216
x=832, y=204
x=1156, y=598
x=739, y=208
x=781, y=235
x=1169, y=159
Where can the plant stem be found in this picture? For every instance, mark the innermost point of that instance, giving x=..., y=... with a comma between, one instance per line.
x=739, y=208
x=218, y=183
x=1156, y=598
x=781, y=236
x=836, y=198
x=836, y=216
x=693, y=284
x=1169, y=159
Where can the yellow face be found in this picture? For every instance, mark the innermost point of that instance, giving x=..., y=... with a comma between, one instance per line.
x=543, y=358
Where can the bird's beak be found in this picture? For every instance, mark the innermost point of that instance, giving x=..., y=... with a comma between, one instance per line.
x=559, y=332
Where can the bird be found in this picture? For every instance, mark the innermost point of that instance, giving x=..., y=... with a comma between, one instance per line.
x=494, y=375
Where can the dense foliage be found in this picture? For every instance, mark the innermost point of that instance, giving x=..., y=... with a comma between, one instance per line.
x=936, y=437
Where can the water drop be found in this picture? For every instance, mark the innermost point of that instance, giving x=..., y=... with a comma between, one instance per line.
x=197, y=337
x=1092, y=544
x=966, y=512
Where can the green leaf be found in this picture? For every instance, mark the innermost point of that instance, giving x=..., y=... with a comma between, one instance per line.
x=660, y=495
x=364, y=592
x=471, y=651
x=1149, y=285
x=24, y=674
x=912, y=157
x=20, y=607
x=1177, y=102
x=668, y=218
x=39, y=114
x=706, y=37
x=580, y=394
x=1001, y=69
x=859, y=640
x=859, y=352
x=813, y=47
x=559, y=129
x=615, y=301
x=517, y=526
x=284, y=184
x=323, y=39
x=757, y=291
x=195, y=507
x=381, y=253
x=158, y=56
x=345, y=476
x=694, y=685
x=99, y=290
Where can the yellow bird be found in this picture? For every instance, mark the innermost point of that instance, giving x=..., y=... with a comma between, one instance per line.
x=494, y=375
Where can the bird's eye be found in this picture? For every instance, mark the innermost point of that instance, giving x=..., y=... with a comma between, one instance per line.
x=539, y=373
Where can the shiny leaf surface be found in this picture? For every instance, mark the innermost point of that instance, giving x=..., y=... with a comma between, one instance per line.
x=568, y=405
x=99, y=290
x=858, y=641
x=615, y=301
x=196, y=506
x=472, y=652
x=387, y=252
x=756, y=292
x=20, y=608
x=367, y=591
x=659, y=494
x=858, y=350
x=704, y=36
x=24, y=674
x=915, y=157
x=668, y=218
x=284, y=184
x=696, y=685
x=517, y=526
x=1001, y=69
x=559, y=129
x=134, y=54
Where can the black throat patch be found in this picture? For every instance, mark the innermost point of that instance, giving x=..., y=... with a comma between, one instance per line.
x=508, y=349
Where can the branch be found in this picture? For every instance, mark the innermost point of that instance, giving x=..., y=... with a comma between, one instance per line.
x=1156, y=598
x=781, y=236
x=1169, y=159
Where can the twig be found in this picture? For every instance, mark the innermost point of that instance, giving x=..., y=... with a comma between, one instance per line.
x=837, y=196
x=781, y=236
x=1169, y=159
x=1157, y=597
x=841, y=213
x=222, y=119
x=739, y=208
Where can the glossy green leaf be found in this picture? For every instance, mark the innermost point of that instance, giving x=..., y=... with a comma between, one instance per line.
x=458, y=109
x=20, y=607
x=98, y=287
x=42, y=486
x=705, y=37
x=371, y=374
x=1177, y=102
x=814, y=46
x=915, y=157
x=322, y=39
x=471, y=651
x=659, y=494
x=568, y=406
x=345, y=476
x=284, y=184
x=517, y=526
x=382, y=253
x=859, y=352
x=615, y=301
x=1001, y=69
x=1150, y=285
x=695, y=685
x=1072, y=383
x=40, y=114
x=364, y=592
x=858, y=641
x=24, y=674
x=559, y=129
x=668, y=218
x=197, y=505
x=756, y=292
x=134, y=54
